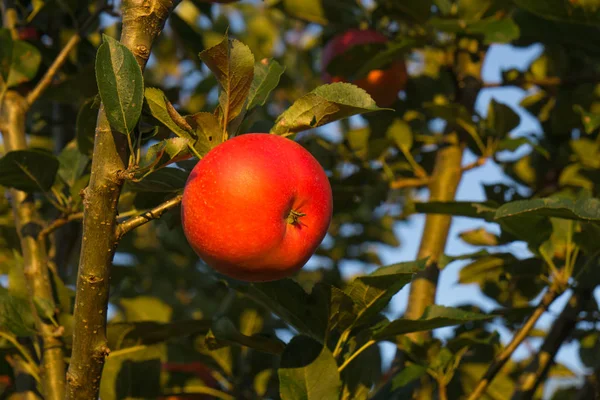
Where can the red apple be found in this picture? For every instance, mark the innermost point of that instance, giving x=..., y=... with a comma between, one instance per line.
x=382, y=85
x=256, y=207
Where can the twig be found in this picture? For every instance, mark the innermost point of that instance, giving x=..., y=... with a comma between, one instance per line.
x=477, y=163
x=517, y=339
x=58, y=62
x=33, y=365
x=57, y=223
x=538, y=368
x=403, y=183
x=60, y=59
x=191, y=390
x=545, y=82
x=147, y=216
x=442, y=389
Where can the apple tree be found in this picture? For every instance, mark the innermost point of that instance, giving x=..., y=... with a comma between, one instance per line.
x=106, y=106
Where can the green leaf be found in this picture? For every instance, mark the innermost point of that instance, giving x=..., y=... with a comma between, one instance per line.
x=146, y=308
x=484, y=210
x=320, y=11
x=492, y=29
x=325, y=104
x=307, y=313
x=45, y=308
x=72, y=164
x=232, y=63
x=6, y=49
x=126, y=369
x=120, y=84
x=585, y=12
x=127, y=334
x=407, y=375
x=434, y=317
x=223, y=333
x=399, y=131
x=591, y=120
x=28, y=170
x=501, y=119
x=418, y=10
x=85, y=126
x=15, y=314
x=25, y=62
x=157, y=103
x=308, y=371
x=473, y=9
x=371, y=293
x=582, y=209
x=162, y=180
x=208, y=131
x=165, y=152
x=266, y=78
x=480, y=237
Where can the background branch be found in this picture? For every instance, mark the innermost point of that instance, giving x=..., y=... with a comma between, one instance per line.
x=142, y=22
x=35, y=257
x=537, y=370
x=517, y=339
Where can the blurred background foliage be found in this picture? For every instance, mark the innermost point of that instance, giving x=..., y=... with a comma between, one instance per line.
x=179, y=328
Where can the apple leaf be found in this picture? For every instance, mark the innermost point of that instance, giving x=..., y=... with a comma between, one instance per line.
x=28, y=170
x=371, y=293
x=164, y=153
x=25, y=61
x=585, y=12
x=85, y=126
x=308, y=371
x=232, y=63
x=434, y=317
x=125, y=334
x=207, y=130
x=126, y=368
x=163, y=180
x=158, y=105
x=224, y=333
x=120, y=84
x=15, y=314
x=266, y=78
x=582, y=209
x=325, y=104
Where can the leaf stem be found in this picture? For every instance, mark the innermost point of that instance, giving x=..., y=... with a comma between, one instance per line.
x=356, y=354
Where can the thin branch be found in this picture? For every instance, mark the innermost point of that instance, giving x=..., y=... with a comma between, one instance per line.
x=546, y=82
x=147, y=216
x=517, y=339
x=475, y=164
x=60, y=59
x=404, y=183
x=35, y=256
x=57, y=223
x=537, y=370
x=58, y=62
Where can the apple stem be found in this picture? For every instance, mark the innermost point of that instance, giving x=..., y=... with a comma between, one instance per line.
x=294, y=217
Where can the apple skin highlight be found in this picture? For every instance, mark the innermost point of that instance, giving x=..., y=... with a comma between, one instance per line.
x=256, y=207
x=382, y=85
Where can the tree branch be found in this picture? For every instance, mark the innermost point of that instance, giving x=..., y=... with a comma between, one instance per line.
x=142, y=22
x=537, y=370
x=148, y=216
x=58, y=62
x=517, y=339
x=403, y=183
x=57, y=223
x=35, y=257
